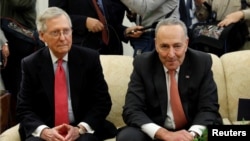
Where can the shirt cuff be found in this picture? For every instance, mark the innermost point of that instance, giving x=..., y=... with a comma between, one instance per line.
x=197, y=129
x=38, y=131
x=246, y=14
x=150, y=129
x=88, y=128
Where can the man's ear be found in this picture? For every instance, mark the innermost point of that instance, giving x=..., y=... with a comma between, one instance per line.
x=187, y=40
x=41, y=36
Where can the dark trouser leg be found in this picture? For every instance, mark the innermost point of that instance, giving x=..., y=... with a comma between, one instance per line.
x=34, y=139
x=132, y=134
x=85, y=137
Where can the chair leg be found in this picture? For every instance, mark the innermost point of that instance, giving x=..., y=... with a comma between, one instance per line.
x=5, y=110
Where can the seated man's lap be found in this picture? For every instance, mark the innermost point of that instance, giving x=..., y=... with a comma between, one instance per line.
x=131, y=134
x=84, y=137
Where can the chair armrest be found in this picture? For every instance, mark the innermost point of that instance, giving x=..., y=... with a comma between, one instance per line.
x=226, y=121
x=4, y=110
x=11, y=134
x=247, y=122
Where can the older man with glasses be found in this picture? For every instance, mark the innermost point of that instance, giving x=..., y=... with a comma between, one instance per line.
x=63, y=94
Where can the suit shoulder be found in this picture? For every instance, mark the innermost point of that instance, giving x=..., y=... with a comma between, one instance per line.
x=83, y=55
x=146, y=60
x=36, y=55
x=198, y=58
x=84, y=50
x=198, y=54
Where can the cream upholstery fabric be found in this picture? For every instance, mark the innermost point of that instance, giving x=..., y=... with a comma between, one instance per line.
x=11, y=134
x=117, y=70
x=237, y=79
x=219, y=78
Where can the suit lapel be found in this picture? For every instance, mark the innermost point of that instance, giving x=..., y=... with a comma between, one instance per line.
x=47, y=75
x=75, y=75
x=184, y=81
x=161, y=86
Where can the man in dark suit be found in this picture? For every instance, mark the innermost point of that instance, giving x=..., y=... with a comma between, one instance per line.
x=87, y=26
x=148, y=109
x=88, y=99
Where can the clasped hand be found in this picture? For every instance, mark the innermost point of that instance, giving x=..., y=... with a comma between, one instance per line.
x=181, y=135
x=62, y=132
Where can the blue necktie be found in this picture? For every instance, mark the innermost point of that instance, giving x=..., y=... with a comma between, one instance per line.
x=184, y=9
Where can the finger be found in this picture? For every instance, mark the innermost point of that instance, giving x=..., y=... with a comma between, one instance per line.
x=221, y=24
x=94, y=29
x=5, y=62
x=59, y=137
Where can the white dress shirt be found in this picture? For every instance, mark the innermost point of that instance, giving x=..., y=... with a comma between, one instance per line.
x=151, y=128
x=38, y=131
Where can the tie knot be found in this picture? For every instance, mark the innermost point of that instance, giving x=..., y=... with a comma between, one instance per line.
x=172, y=72
x=59, y=62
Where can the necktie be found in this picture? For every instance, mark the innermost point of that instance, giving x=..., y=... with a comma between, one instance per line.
x=105, y=37
x=61, y=96
x=177, y=109
x=184, y=11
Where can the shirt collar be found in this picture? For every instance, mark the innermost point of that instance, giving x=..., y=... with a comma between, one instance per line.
x=54, y=58
x=166, y=70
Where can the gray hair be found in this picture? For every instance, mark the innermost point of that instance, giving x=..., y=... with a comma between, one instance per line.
x=49, y=13
x=171, y=21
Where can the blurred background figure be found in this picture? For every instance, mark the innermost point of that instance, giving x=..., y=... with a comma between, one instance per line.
x=226, y=12
x=147, y=13
x=21, y=12
x=236, y=17
x=4, y=53
x=221, y=8
x=187, y=10
x=97, y=24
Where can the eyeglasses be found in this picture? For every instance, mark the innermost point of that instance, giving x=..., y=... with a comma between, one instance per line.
x=58, y=33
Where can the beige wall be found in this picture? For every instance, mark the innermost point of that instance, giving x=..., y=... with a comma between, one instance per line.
x=128, y=50
x=41, y=5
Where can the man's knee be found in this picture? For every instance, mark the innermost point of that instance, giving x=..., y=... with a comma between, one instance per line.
x=34, y=139
x=87, y=137
x=131, y=134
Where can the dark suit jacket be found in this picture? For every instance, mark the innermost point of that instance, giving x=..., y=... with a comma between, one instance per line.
x=146, y=99
x=79, y=10
x=90, y=99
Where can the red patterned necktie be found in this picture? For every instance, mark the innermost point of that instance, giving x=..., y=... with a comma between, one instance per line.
x=105, y=36
x=61, y=95
x=177, y=109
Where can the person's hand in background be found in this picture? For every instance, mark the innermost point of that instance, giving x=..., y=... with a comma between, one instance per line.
x=94, y=25
x=134, y=31
x=231, y=18
x=5, y=54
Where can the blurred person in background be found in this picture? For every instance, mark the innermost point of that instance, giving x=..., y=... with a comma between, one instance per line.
x=147, y=13
x=221, y=8
x=88, y=26
x=20, y=12
x=4, y=53
x=236, y=17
